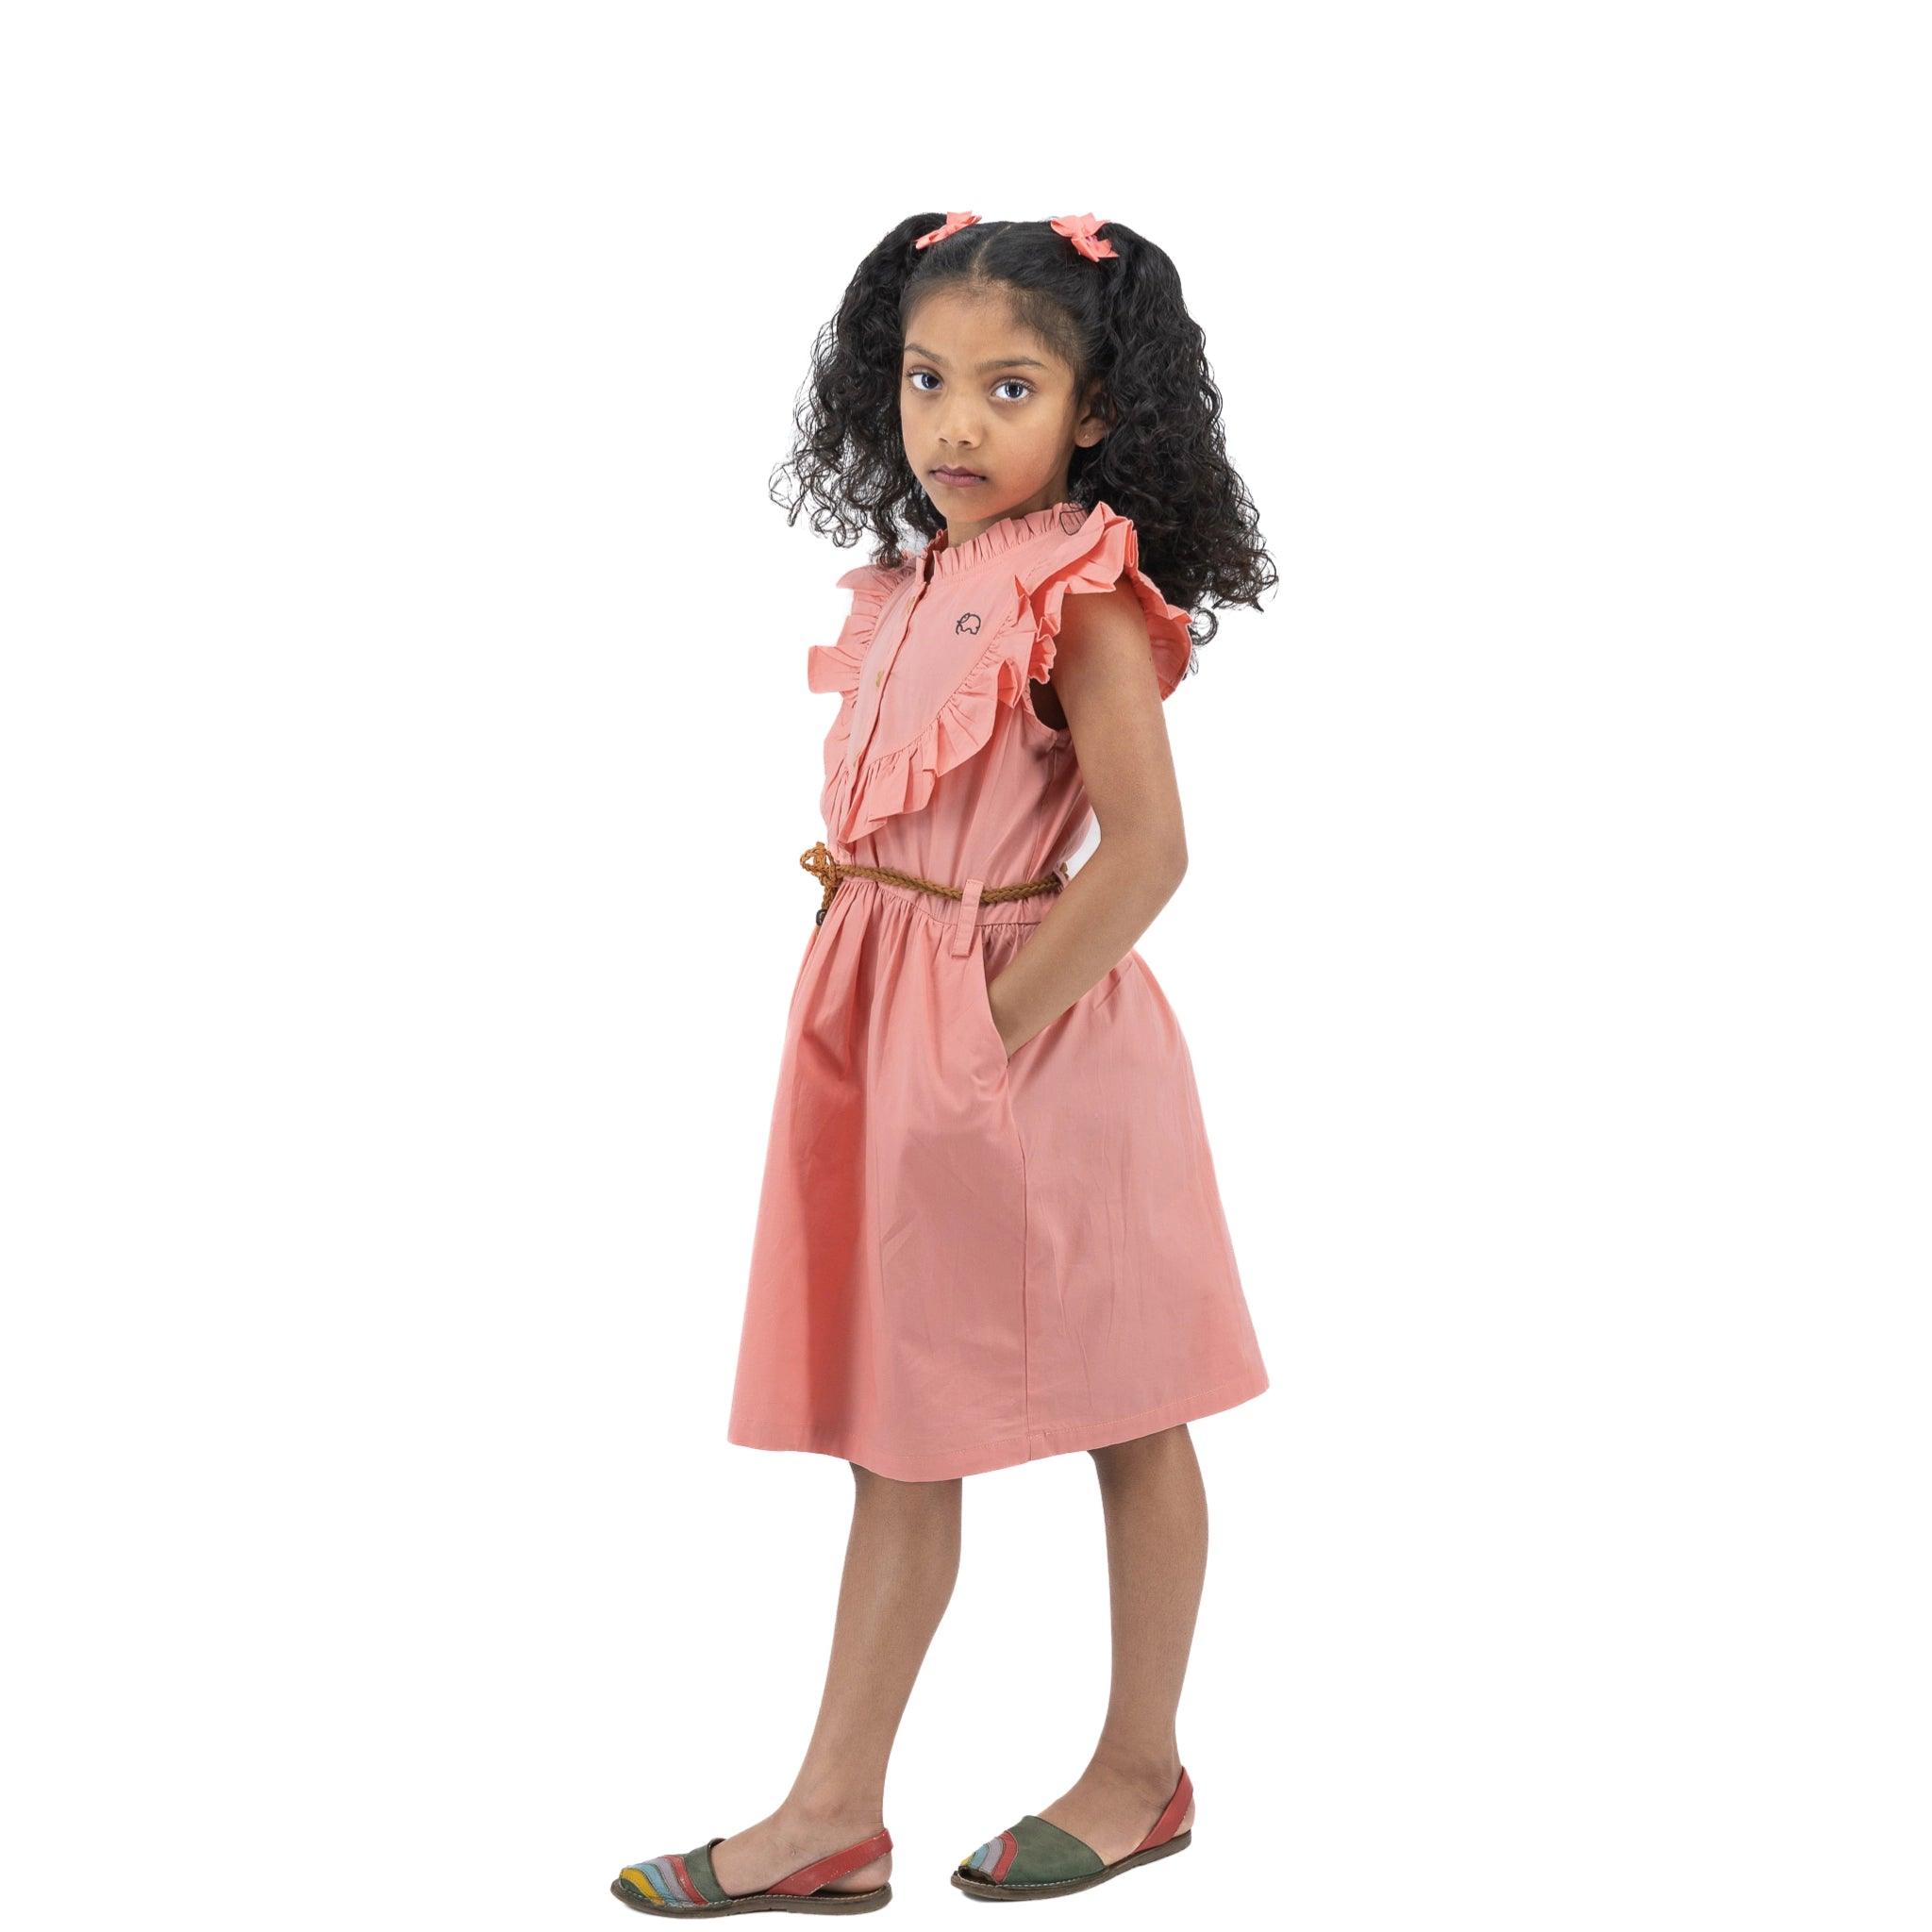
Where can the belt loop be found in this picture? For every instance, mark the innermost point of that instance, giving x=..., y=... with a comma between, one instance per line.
x=966, y=919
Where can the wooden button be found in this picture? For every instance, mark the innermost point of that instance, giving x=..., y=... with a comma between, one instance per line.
x=879, y=677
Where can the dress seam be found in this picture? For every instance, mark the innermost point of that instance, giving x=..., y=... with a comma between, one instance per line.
x=1026, y=1258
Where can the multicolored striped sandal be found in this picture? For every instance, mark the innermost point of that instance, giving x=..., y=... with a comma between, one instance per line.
x=1035, y=1860
x=687, y=1885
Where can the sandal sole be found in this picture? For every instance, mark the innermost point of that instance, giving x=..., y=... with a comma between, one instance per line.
x=986, y=1888
x=828, y=1904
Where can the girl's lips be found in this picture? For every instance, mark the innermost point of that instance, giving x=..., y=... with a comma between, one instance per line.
x=959, y=478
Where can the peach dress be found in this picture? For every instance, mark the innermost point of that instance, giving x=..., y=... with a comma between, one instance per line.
x=963, y=1260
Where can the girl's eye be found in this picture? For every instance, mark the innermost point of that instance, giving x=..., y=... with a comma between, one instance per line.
x=1019, y=383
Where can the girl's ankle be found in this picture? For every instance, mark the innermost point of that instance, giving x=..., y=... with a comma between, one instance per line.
x=856, y=1814
x=1142, y=1767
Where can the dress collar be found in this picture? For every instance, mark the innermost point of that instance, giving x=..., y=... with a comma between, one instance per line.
x=1059, y=519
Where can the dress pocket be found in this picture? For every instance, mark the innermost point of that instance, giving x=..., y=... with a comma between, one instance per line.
x=981, y=990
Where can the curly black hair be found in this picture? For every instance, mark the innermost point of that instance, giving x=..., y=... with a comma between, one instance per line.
x=1120, y=321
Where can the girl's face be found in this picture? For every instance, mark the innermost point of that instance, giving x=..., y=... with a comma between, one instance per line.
x=987, y=410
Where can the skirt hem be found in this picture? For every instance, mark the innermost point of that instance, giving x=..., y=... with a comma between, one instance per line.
x=1063, y=1438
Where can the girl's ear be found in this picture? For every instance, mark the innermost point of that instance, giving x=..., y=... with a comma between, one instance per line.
x=1096, y=418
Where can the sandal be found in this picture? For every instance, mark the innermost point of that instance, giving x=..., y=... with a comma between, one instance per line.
x=687, y=1884
x=1037, y=1859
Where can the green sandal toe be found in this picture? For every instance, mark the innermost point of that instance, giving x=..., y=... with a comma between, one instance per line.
x=1037, y=1859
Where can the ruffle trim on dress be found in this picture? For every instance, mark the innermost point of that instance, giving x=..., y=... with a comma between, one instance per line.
x=901, y=781
x=836, y=666
x=1107, y=550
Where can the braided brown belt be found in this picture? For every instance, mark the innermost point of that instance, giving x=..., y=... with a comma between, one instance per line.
x=823, y=867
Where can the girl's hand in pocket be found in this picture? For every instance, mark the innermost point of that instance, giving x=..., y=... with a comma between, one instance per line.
x=1003, y=1023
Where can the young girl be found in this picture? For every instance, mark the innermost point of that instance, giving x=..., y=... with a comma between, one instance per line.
x=990, y=1229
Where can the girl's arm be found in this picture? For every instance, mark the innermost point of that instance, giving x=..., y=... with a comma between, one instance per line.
x=1103, y=674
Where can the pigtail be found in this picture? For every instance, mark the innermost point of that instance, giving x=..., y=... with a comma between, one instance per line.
x=848, y=462
x=1164, y=463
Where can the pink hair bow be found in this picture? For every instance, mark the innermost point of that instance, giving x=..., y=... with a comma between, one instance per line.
x=1080, y=232
x=951, y=226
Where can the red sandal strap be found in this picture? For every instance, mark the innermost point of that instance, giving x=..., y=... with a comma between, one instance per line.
x=834, y=1865
x=1169, y=1822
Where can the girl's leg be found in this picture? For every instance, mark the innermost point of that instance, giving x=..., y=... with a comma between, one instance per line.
x=901, y=1560
x=1157, y=1557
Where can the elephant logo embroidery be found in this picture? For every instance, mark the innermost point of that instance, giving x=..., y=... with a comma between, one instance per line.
x=968, y=627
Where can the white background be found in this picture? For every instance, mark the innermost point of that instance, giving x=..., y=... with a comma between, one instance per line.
x=405, y=755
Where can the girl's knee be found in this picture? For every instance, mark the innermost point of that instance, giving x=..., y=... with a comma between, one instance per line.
x=1138, y=1446
x=868, y=1481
